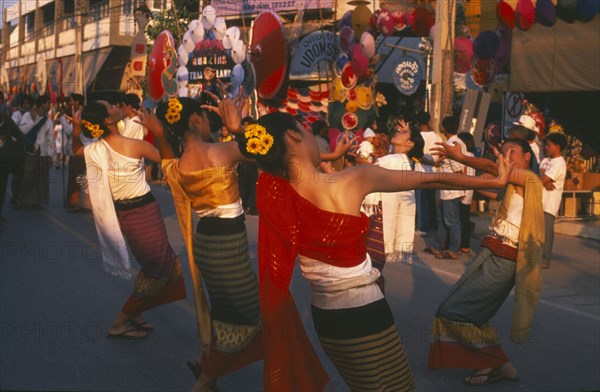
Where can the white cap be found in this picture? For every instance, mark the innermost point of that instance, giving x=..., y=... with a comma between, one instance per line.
x=368, y=133
x=527, y=122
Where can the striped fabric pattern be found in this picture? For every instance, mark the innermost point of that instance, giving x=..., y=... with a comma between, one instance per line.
x=371, y=363
x=230, y=280
x=146, y=235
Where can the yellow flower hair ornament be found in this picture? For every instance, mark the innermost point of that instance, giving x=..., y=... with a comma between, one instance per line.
x=259, y=141
x=173, y=114
x=95, y=130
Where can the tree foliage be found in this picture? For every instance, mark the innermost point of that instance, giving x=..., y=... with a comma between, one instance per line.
x=187, y=10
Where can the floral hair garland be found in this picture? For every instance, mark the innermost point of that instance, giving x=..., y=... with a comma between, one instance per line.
x=259, y=141
x=95, y=130
x=173, y=114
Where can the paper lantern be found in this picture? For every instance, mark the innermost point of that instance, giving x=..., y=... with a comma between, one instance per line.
x=486, y=44
x=483, y=71
x=545, y=13
x=346, y=20
x=348, y=78
x=209, y=16
x=237, y=78
x=347, y=41
x=187, y=42
x=373, y=22
x=349, y=121
x=399, y=21
x=361, y=17
x=385, y=23
x=341, y=60
x=567, y=10
x=220, y=27
x=525, y=15
x=367, y=44
x=182, y=56
x=238, y=52
x=197, y=34
x=351, y=107
x=232, y=35
x=182, y=76
x=588, y=9
x=423, y=22
x=463, y=54
x=506, y=14
x=183, y=92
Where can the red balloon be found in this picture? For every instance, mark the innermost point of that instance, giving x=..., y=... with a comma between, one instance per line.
x=525, y=15
x=463, y=54
x=156, y=64
x=506, y=14
x=423, y=22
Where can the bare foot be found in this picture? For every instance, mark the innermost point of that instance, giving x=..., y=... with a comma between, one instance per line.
x=478, y=377
x=202, y=384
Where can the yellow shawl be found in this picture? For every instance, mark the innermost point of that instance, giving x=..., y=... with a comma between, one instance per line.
x=528, y=277
x=211, y=178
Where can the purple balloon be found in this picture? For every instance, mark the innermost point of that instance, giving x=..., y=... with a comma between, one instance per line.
x=502, y=58
x=347, y=41
x=545, y=13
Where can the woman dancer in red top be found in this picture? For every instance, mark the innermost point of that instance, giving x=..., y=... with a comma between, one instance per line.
x=316, y=217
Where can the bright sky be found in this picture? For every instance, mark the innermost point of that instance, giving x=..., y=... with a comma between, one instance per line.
x=13, y=8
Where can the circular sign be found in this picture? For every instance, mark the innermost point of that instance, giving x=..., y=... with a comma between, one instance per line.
x=407, y=75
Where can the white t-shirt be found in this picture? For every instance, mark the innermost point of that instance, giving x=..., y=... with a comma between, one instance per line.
x=45, y=137
x=430, y=138
x=366, y=149
x=450, y=166
x=470, y=172
x=132, y=129
x=16, y=117
x=556, y=169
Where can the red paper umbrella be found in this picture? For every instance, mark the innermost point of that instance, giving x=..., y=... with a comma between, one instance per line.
x=506, y=14
x=268, y=54
x=157, y=65
x=483, y=71
x=463, y=54
x=424, y=21
x=525, y=15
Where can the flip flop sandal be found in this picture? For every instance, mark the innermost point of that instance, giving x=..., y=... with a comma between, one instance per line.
x=434, y=252
x=196, y=370
x=145, y=326
x=448, y=254
x=128, y=334
x=492, y=377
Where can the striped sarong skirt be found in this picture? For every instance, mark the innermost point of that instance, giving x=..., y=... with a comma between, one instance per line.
x=160, y=280
x=461, y=335
x=364, y=346
x=221, y=254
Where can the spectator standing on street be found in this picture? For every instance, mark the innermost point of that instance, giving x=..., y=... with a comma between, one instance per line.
x=553, y=170
x=425, y=198
x=38, y=128
x=449, y=203
x=12, y=153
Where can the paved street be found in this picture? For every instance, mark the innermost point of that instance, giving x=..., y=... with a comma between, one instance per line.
x=56, y=303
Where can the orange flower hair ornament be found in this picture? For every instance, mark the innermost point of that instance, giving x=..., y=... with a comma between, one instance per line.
x=259, y=141
x=94, y=129
x=173, y=114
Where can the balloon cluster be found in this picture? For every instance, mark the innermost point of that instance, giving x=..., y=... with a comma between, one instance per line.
x=210, y=28
x=545, y=12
